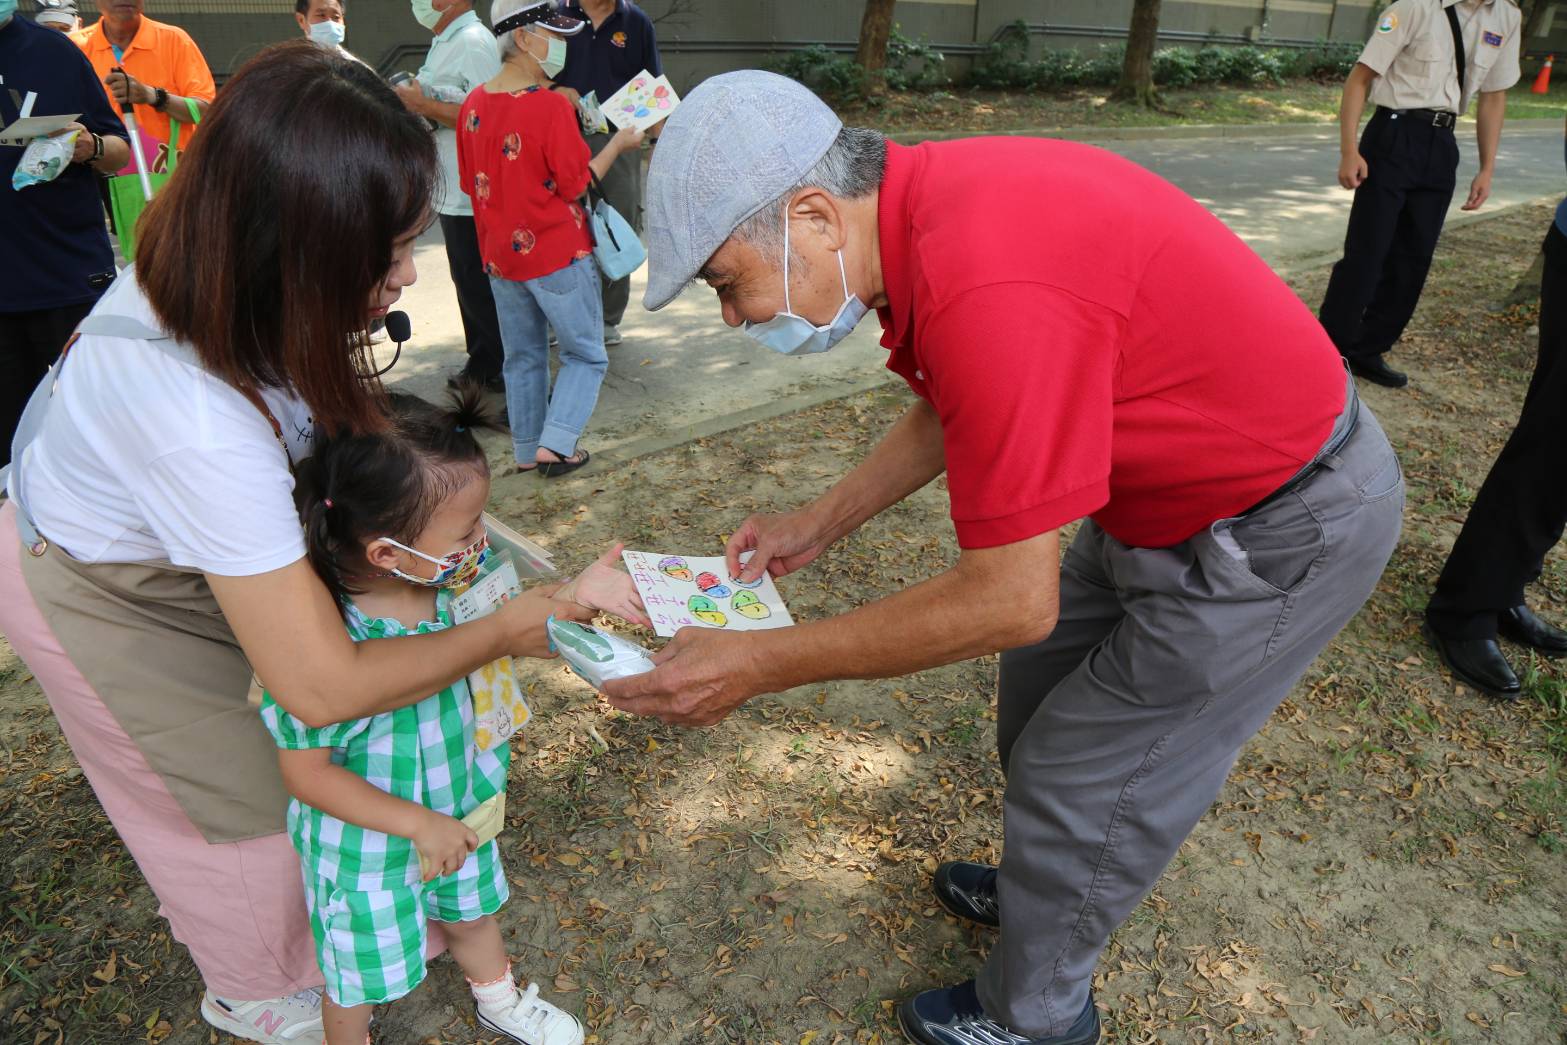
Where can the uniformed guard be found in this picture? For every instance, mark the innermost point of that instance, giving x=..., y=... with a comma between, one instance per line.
x=1424, y=63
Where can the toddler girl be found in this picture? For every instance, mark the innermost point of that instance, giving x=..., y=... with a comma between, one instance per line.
x=393, y=521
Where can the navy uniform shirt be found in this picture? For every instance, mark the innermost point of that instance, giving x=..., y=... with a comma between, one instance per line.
x=54, y=240
x=603, y=59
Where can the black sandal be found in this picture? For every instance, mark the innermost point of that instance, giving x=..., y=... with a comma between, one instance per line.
x=565, y=466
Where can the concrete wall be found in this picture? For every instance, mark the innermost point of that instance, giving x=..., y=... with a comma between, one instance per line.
x=699, y=38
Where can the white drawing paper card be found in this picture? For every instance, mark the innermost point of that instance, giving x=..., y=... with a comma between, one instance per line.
x=683, y=591
x=642, y=102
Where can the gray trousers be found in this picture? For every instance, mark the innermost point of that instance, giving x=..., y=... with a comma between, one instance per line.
x=1118, y=731
x=623, y=188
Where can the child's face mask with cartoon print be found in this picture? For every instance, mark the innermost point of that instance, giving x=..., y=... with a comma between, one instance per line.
x=455, y=570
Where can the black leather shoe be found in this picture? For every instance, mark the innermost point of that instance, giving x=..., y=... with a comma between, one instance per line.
x=1378, y=372
x=1478, y=663
x=968, y=891
x=1520, y=625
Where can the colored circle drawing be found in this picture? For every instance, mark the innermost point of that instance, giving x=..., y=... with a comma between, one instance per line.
x=706, y=610
x=676, y=567
x=747, y=604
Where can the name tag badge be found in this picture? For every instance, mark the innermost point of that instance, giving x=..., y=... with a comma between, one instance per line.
x=1494, y=39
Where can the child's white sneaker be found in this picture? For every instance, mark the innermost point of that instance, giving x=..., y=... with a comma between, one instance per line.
x=531, y=1020
x=294, y=1020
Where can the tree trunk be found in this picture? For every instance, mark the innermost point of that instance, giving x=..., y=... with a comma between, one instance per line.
x=875, y=29
x=1533, y=15
x=1136, y=85
x=1527, y=289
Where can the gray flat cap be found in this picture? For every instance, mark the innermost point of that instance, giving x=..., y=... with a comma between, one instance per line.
x=736, y=142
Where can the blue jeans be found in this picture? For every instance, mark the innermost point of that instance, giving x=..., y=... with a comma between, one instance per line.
x=570, y=301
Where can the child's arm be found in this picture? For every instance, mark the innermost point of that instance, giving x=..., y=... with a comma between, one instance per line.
x=603, y=587
x=311, y=776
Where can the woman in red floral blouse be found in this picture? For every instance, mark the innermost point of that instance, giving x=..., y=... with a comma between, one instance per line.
x=524, y=164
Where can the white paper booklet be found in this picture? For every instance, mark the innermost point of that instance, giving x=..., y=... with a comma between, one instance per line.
x=496, y=586
x=696, y=590
x=642, y=102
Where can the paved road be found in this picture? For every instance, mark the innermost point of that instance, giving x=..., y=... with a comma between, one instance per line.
x=681, y=373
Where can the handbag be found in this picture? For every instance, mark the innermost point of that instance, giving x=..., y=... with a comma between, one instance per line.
x=616, y=247
x=126, y=199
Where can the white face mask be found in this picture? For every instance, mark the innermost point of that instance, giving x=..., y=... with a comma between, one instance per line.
x=795, y=335
x=328, y=34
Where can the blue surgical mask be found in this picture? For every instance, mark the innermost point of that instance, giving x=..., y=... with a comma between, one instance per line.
x=554, y=59
x=795, y=335
x=328, y=34
x=426, y=14
x=7, y=9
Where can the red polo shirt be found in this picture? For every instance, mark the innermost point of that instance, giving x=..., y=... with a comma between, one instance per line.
x=1094, y=341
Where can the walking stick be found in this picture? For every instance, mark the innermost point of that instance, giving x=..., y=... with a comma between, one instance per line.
x=128, y=112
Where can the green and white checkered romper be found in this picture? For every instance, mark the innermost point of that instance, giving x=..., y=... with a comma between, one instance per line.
x=368, y=907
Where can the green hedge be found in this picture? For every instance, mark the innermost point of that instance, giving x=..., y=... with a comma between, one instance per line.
x=1005, y=64
x=917, y=66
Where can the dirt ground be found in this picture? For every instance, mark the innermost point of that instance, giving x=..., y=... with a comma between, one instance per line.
x=1386, y=864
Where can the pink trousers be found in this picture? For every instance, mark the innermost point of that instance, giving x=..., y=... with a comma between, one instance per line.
x=238, y=906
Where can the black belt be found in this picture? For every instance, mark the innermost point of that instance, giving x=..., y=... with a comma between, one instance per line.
x=1437, y=117
x=1309, y=472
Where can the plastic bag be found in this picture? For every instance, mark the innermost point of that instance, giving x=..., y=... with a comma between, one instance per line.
x=592, y=117
x=44, y=159
x=595, y=655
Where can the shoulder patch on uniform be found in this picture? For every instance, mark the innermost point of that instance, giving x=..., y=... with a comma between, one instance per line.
x=1494, y=39
x=1388, y=24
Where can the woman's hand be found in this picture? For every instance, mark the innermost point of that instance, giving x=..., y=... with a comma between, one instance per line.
x=604, y=587
x=443, y=843
x=526, y=615
x=627, y=139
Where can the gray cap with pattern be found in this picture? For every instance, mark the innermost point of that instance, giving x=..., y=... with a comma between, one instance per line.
x=735, y=143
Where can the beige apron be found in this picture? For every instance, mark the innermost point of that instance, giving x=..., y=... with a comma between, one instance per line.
x=151, y=641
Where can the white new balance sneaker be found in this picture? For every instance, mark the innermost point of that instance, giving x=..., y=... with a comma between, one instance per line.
x=294, y=1020
x=532, y=1020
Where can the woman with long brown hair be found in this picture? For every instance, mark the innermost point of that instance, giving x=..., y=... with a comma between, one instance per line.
x=152, y=566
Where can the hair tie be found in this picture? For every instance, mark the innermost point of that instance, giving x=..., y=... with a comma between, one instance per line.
x=462, y=428
x=327, y=501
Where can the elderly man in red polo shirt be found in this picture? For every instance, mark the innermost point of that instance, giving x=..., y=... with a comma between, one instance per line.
x=1085, y=342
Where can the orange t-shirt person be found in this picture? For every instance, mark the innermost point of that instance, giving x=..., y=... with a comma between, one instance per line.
x=162, y=68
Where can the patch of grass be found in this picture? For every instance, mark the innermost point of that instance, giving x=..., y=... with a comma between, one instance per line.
x=966, y=726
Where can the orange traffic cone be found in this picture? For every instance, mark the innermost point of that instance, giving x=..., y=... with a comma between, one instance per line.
x=1542, y=83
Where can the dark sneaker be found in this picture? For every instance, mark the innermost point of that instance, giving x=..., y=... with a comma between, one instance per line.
x=968, y=891
x=954, y=1016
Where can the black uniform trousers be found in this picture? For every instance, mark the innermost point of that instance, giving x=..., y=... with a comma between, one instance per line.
x=1521, y=509
x=480, y=327
x=30, y=342
x=1393, y=228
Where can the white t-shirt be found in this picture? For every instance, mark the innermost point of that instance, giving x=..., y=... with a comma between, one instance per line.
x=146, y=457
